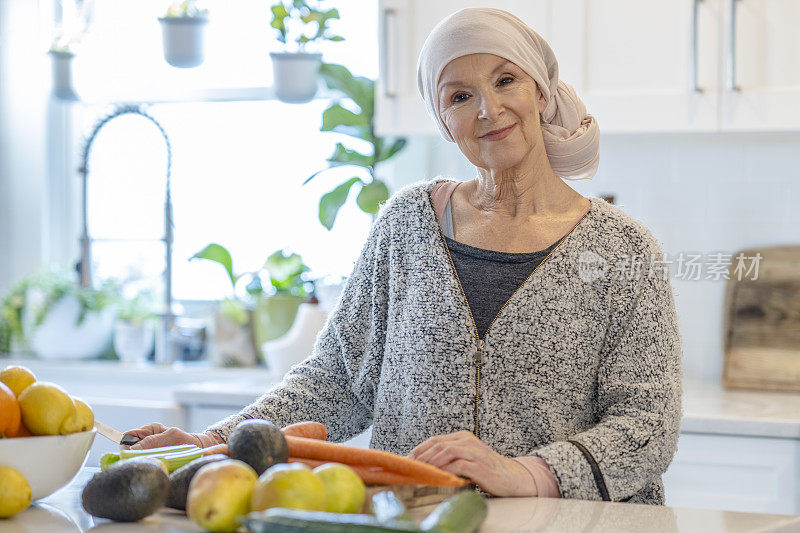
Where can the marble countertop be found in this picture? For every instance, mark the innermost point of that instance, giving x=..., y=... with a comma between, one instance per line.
x=707, y=407
x=62, y=513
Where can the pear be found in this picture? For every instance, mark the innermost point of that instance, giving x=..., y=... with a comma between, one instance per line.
x=219, y=493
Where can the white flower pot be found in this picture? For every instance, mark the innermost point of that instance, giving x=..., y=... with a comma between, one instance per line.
x=296, y=75
x=183, y=40
x=298, y=343
x=60, y=336
x=133, y=342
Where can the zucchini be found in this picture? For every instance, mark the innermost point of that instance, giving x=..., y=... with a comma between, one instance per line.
x=281, y=520
x=461, y=513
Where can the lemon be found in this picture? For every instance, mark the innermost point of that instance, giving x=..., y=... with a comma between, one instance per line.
x=17, y=378
x=47, y=409
x=83, y=419
x=15, y=492
x=290, y=485
x=344, y=489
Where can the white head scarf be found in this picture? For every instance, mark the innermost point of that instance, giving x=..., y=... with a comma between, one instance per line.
x=571, y=137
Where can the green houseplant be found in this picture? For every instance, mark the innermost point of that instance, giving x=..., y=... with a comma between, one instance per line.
x=265, y=302
x=49, y=314
x=359, y=124
x=299, y=23
x=182, y=29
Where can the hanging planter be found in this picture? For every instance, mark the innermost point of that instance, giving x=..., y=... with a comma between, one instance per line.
x=182, y=33
x=296, y=72
x=296, y=75
x=61, y=62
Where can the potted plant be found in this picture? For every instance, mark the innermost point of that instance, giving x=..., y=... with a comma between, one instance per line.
x=276, y=307
x=72, y=23
x=263, y=306
x=360, y=125
x=295, y=70
x=182, y=28
x=134, y=330
x=49, y=314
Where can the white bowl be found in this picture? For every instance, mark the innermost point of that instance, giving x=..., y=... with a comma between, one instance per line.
x=47, y=462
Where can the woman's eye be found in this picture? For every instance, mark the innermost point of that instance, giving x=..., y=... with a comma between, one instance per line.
x=456, y=98
x=509, y=78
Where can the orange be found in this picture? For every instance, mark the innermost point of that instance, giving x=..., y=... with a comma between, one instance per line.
x=9, y=412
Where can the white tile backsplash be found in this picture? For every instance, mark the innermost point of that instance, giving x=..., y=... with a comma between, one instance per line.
x=700, y=193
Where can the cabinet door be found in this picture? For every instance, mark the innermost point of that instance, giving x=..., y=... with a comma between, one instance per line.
x=403, y=27
x=735, y=473
x=644, y=65
x=761, y=88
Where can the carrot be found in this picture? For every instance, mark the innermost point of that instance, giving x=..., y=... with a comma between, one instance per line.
x=310, y=430
x=370, y=475
x=425, y=474
x=217, y=448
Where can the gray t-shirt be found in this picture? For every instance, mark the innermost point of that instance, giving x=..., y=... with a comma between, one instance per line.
x=488, y=278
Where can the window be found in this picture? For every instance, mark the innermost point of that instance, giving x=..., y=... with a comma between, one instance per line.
x=237, y=166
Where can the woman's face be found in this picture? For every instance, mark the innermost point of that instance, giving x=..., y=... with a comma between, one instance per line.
x=481, y=93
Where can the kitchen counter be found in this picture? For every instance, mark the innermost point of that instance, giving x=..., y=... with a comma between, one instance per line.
x=62, y=513
x=707, y=407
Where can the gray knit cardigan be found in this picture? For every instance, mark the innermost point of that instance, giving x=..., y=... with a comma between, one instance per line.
x=582, y=367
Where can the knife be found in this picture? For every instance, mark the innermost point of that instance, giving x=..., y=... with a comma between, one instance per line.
x=117, y=436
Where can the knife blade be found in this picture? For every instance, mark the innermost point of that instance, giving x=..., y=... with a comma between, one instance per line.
x=117, y=436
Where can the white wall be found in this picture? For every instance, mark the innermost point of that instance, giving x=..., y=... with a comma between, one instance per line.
x=697, y=193
x=23, y=90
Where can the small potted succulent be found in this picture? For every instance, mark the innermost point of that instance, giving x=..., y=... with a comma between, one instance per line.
x=182, y=28
x=295, y=68
x=358, y=124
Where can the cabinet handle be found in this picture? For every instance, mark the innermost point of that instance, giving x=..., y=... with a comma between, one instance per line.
x=695, y=87
x=389, y=91
x=732, y=51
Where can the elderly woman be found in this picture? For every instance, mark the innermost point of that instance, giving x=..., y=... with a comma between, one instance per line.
x=505, y=329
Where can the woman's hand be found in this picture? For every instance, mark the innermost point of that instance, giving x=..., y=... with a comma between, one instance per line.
x=463, y=454
x=156, y=435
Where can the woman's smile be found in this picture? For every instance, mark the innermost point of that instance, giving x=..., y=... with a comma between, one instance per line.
x=498, y=134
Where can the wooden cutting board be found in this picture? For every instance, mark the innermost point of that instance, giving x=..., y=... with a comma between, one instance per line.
x=416, y=495
x=761, y=324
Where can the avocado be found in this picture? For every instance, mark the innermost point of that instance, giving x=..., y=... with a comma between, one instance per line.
x=179, y=480
x=127, y=491
x=259, y=443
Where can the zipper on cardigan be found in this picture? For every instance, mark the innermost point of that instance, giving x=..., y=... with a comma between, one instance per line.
x=480, y=342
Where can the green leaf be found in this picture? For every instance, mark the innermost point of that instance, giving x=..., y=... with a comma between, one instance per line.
x=330, y=202
x=336, y=38
x=372, y=195
x=345, y=156
x=284, y=268
x=279, y=13
x=340, y=120
x=235, y=311
x=314, y=175
x=359, y=89
x=218, y=253
x=384, y=154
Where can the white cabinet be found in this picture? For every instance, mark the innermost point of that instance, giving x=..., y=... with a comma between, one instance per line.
x=761, y=86
x=735, y=473
x=640, y=66
x=404, y=26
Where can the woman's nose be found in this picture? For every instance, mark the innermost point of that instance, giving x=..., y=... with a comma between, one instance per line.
x=490, y=106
